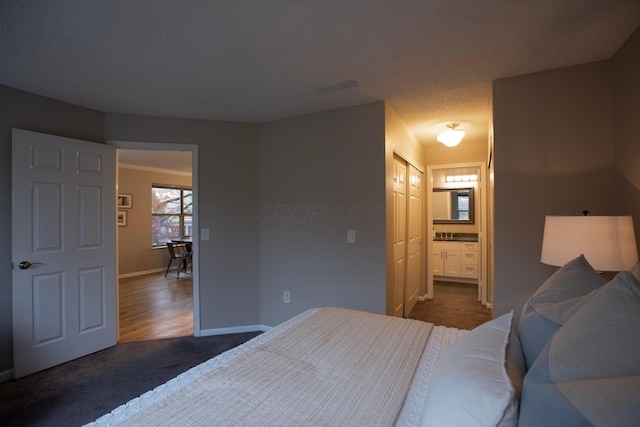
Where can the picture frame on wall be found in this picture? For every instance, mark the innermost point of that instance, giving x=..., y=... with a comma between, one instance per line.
x=122, y=218
x=125, y=201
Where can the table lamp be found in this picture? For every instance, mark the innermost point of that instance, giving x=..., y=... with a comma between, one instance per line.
x=607, y=242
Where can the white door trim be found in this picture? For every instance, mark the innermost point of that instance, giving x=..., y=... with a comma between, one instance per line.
x=160, y=146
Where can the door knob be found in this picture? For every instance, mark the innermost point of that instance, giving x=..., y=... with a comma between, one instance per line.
x=26, y=264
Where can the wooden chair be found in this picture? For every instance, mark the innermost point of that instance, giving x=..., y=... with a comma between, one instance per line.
x=187, y=249
x=178, y=252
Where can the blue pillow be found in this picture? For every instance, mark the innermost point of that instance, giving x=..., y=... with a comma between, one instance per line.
x=589, y=371
x=554, y=303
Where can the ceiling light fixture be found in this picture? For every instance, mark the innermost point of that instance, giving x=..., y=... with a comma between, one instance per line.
x=451, y=137
x=461, y=178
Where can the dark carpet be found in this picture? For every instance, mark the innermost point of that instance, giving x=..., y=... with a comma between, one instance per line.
x=84, y=389
x=455, y=305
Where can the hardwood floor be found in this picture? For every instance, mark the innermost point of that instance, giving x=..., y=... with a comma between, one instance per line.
x=153, y=306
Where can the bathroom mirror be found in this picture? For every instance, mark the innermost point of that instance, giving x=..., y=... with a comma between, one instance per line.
x=452, y=205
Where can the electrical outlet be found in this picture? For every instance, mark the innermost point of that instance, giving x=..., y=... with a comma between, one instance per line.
x=287, y=297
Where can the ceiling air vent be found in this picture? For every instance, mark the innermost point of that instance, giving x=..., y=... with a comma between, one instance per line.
x=336, y=86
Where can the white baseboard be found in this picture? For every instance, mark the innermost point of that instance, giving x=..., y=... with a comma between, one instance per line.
x=488, y=305
x=141, y=273
x=234, y=330
x=6, y=376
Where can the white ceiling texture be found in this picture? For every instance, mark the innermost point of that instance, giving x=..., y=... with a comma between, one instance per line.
x=259, y=60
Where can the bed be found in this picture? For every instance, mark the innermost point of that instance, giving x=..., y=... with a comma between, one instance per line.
x=573, y=360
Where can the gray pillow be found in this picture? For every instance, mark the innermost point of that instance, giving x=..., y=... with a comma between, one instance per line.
x=554, y=303
x=589, y=371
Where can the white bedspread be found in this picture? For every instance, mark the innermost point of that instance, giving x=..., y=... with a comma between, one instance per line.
x=328, y=366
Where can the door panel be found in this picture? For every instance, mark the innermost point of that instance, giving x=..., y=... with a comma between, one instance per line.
x=89, y=217
x=48, y=308
x=63, y=220
x=93, y=299
x=414, y=241
x=46, y=208
x=399, y=235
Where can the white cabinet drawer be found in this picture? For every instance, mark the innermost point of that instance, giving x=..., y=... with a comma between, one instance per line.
x=470, y=271
x=469, y=246
x=467, y=257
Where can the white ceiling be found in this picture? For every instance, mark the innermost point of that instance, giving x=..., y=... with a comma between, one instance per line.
x=254, y=61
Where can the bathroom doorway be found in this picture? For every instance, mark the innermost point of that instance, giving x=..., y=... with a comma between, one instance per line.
x=457, y=220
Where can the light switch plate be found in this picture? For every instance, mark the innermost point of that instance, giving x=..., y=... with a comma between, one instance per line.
x=351, y=236
x=204, y=234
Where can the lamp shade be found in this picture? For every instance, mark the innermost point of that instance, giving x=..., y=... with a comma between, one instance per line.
x=607, y=242
x=452, y=136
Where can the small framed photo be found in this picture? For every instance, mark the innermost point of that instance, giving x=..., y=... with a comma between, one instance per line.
x=125, y=201
x=122, y=218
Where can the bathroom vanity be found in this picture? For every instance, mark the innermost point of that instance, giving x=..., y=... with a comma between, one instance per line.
x=455, y=256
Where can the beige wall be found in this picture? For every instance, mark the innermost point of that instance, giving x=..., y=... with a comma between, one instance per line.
x=565, y=140
x=135, y=254
x=468, y=151
x=625, y=71
x=321, y=175
x=400, y=140
x=553, y=156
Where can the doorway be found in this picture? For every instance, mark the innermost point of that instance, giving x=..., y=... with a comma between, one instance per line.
x=457, y=218
x=152, y=306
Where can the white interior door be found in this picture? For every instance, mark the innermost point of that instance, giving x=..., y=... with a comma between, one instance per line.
x=414, y=240
x=399, y=234
x=64, y=276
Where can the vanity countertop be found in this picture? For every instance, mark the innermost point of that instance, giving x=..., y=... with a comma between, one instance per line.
x=456, y=237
